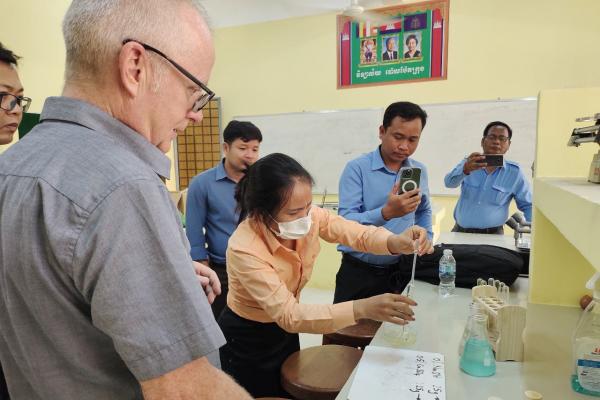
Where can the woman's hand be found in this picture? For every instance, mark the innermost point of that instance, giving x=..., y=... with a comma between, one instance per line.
x=413, y=238
x=388, y=307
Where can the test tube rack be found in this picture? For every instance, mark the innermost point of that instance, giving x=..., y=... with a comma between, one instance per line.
x=506, y=323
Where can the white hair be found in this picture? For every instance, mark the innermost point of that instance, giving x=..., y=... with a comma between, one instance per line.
x=95, y=29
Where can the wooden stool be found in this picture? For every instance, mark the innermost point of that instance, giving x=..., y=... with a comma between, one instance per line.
x=359, y=335
x=320, y=372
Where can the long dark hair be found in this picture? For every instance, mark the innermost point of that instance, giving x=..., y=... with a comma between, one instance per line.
x=267, y=185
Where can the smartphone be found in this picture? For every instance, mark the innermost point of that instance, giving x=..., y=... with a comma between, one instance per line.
x=494, y=160
x=410, y=179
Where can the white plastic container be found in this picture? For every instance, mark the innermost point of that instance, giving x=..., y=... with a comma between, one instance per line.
x=586, y=345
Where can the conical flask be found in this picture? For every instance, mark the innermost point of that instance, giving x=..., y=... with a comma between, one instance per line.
x=474, y=309
x=478, y=357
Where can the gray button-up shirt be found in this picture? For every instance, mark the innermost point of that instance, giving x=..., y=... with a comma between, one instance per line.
x=97, y=288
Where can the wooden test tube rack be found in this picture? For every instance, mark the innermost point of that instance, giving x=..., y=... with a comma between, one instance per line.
x=505, y=323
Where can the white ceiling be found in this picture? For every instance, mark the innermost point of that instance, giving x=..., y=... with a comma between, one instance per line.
x=224, y=13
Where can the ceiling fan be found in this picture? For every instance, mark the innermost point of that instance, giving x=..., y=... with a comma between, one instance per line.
x=358, y=9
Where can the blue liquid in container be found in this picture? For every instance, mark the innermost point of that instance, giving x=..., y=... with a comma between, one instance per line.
x=478, y=358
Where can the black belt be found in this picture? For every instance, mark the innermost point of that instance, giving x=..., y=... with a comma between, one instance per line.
x=494, y=230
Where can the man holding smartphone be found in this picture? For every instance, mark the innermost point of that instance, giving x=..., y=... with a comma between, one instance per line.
x=370, y=193
x=488, y=184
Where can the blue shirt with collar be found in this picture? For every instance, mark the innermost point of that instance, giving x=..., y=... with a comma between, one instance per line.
x=364, y=188
x=485, y=198
x=210, y=214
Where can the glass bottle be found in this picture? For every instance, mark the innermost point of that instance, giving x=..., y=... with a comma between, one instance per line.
x=478, y=357
x=474, y=309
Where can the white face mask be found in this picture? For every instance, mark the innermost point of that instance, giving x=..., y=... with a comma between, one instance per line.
x=295, y=229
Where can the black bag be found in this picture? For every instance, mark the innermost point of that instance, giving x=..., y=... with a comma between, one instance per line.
x=472, y=262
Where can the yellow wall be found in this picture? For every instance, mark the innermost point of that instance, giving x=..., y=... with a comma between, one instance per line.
x=32, y=29
x=504, y=49
x=558, y=270
x=557, y=110
x=497, y=49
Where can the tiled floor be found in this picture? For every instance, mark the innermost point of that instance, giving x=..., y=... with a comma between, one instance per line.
x=314, y=296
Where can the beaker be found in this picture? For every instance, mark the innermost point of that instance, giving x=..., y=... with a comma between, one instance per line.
x=401, y=335
x=478, y=357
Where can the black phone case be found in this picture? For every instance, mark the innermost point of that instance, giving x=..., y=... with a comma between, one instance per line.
x=494, y=160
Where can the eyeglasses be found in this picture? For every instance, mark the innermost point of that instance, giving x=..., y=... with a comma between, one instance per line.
x=501, y=139
x=207, y=94
x=8, y=102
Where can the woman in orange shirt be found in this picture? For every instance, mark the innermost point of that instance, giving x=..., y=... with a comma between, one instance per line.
x=270, y=258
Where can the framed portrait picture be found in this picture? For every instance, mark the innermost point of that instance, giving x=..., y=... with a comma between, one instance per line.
x=391, y=45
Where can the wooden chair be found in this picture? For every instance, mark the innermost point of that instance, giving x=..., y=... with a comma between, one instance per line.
x=359, y=335
x=320, y=372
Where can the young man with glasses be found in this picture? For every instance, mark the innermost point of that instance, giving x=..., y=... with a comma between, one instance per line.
x=12, y=102
x=486, y=191
x=93, y=252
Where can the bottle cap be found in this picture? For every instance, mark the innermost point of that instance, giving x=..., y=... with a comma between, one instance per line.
x=447, y=252
x=533, y=395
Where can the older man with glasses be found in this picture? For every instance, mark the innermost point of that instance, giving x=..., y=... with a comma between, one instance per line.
x=100, y=298
x=487, y=190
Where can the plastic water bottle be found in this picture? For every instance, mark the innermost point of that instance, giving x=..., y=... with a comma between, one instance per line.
x=447, y=274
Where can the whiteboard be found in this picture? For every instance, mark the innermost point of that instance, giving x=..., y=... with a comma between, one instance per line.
x=324, y=141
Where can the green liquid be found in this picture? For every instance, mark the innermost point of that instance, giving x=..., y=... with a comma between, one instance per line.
x=478, y=358
x=579, y=389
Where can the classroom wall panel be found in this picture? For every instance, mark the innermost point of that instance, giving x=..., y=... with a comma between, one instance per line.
x=497, y=49
x=448, y=137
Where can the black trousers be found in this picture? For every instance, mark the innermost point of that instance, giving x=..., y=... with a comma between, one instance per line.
x=358, y=280
x=496, y=230
x=255, y=352
x=221, y=300
x=3, y=388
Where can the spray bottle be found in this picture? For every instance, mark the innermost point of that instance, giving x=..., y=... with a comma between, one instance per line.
x=586, y=345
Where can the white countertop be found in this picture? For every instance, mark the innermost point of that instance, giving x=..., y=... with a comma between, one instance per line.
x=477, y=238
x=547, y=366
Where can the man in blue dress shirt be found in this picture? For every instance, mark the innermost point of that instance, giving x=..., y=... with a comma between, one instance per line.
x=369, y=195
x=211, y=215
x=486, y=191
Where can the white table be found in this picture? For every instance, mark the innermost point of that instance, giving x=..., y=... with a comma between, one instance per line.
x=547, y=366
